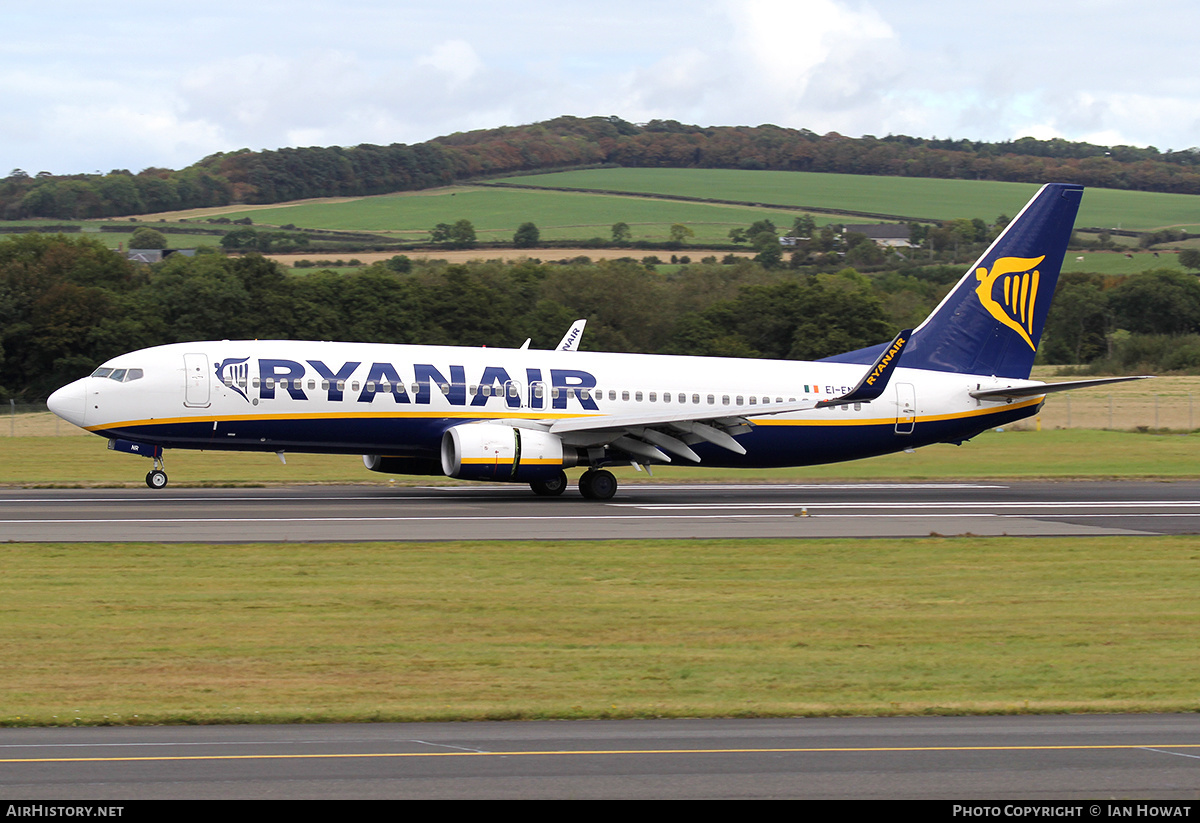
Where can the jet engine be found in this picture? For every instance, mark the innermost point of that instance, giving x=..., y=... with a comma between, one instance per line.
x=394, y=464
x=495, y=451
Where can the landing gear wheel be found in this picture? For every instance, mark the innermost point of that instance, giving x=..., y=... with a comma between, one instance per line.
x=156, y=479
x=597, y=484
x=552, y=487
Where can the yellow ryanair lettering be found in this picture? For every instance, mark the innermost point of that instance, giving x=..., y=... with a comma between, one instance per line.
x=887, y=358
x=1018, y=280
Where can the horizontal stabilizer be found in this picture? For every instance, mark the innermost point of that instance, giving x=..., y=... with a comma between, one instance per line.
x=1037, y=389
x=876, y=379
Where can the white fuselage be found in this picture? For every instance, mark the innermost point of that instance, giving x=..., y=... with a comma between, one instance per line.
x=396, y=399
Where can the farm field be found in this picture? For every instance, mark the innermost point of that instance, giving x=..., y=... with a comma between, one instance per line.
x=911, y=197
x=497, y=212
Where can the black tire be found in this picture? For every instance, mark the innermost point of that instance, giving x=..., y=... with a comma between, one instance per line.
x=598, y=485
x=156, y=479
x=552, y=487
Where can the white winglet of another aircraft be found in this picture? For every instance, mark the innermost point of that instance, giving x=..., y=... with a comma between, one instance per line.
x=524, y=416
x=570, y=341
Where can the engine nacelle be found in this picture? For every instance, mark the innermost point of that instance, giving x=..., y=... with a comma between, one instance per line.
x=392, y=464
x=494, y=451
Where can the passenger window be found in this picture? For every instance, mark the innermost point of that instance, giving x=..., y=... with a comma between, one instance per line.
x=725, y=399
x=739, y=400
x=624, y=395
x=371, y=386
x=324, y=385
x=682, y=397
x=637, y=396
x=653, y=397
x=711, y=400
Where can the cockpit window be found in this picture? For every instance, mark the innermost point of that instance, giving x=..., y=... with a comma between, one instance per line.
x=120, y=375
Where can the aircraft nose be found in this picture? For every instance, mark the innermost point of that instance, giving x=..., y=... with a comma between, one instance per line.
x=70, y=402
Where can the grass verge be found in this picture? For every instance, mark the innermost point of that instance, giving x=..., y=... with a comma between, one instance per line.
x=1048, y=454
x=147, y=633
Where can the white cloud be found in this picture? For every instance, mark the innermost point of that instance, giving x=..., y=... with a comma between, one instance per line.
x=267, y=74
x=454, y=58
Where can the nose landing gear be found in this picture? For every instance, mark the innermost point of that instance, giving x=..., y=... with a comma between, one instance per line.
x=156, y=478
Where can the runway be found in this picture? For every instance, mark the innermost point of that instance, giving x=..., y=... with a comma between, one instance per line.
x=498, y=512
x=1089, y=759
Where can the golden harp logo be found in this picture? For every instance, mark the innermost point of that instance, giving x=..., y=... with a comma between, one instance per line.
x=1009, y=292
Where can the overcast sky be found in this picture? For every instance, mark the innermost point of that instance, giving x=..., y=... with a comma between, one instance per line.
x=88, y=87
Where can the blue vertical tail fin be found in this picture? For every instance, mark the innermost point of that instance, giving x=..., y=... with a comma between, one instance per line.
x=991, y=321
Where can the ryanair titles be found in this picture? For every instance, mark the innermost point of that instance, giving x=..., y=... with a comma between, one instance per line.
x=882, y=366
x=531, y=389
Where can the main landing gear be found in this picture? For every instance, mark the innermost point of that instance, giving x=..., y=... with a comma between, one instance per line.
x=597, y=484
x=594, y=484
x=552, y=487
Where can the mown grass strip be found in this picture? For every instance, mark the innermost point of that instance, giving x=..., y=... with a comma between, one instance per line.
x=1052, y=454
x=146, y=633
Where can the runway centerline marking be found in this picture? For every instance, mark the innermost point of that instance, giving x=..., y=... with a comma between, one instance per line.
x=609, y=752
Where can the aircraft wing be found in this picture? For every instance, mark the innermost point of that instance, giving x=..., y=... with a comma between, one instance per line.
x=651, y=436
x=648, y=435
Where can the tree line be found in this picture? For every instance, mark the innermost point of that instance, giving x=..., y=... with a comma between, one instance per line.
x=68, y=304
x=273, y=176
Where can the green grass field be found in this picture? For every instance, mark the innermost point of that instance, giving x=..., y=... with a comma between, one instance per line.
x=496, y=213
x=916, y=197
x=151, y=633
x=1054, y=454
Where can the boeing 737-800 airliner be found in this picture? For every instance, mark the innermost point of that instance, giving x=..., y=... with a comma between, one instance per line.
x=525, y=415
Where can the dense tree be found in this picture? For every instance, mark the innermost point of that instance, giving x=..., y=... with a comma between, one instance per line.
x=147, y=238
x=1157, y=302
x=526, y=236
x=679, y=233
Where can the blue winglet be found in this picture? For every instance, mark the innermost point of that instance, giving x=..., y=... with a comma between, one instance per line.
x=876, y=379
